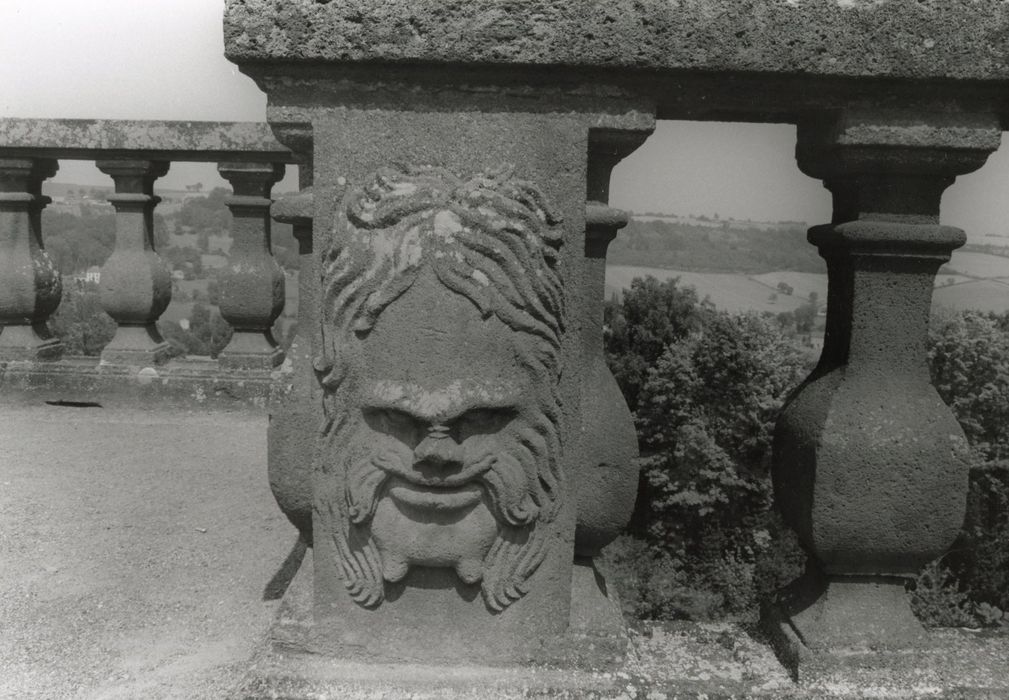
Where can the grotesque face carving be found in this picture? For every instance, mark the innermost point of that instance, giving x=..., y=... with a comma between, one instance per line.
x=442, y=324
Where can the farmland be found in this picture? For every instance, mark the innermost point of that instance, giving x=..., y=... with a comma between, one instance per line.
x=970, y=281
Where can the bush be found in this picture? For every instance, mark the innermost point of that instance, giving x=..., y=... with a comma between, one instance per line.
x=705, y=410
x=706, y=388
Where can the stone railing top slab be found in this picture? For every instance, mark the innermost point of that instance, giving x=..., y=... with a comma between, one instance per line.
x=178, y=141
x=910, y=39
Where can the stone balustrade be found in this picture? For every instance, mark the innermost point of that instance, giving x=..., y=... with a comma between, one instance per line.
x=453, y=449
x=135, y=284
x=420, y=114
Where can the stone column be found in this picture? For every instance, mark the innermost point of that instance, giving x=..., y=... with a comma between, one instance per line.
x=608, y=483
x=30, y=285
x=252, y=286
x=447, y=345
x=870, y=467
x=135, y=284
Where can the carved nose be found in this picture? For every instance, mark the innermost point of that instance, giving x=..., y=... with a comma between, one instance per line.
x=438, y=449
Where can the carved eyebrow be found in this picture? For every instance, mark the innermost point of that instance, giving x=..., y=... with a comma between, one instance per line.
x=377, y=400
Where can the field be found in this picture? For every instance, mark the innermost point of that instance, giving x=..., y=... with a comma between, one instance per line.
x=970, y=281
x=729, y=291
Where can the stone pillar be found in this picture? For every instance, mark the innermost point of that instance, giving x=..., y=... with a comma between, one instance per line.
x=135, y=284
x=449, y=233
x=30, y=285
x=870, y=467
x=252, y=286
x=608, y=483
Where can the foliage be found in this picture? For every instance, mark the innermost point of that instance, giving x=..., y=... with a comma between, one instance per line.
x=206, y=214
x=185, y=258
x=75, y=243
x=80, y=322
x=969, y=360
x=207, y=326
x=181, y=341
x=706, y=386
x=937, y=600
x=651, y=316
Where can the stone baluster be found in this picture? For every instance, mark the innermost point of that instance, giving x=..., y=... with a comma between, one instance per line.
x=608, y=439
x=30, y=285
x=870, y=467
x=135, y=284
x=295, y=420
x=252, y=286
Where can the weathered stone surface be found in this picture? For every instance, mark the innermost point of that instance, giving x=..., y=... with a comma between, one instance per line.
x=870, y=467
x=295, y=421
x=136, y=286
x=452, y=294
x=962, y=39
x=153, y=140
x=608, y=482
x=179, y=383
x=252, y=285
x=30, y=284
x=443, y=320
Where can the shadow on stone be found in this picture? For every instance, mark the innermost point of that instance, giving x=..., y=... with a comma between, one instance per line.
x=277, y=585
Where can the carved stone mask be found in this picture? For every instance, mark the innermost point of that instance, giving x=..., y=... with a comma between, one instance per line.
x=441, y=331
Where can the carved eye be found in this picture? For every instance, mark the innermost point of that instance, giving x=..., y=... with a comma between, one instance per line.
x=397, y=424
x=481, y=421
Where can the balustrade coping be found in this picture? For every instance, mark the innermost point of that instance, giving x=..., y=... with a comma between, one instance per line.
x=109, y=139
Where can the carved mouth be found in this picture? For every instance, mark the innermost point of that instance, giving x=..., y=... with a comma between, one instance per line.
x=435, y=497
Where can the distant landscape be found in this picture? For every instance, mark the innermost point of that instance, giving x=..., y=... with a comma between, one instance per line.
x=770, y=267
x=738, y=266
x=192, y=234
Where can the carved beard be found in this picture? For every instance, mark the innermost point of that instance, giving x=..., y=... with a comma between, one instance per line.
x=519, y=493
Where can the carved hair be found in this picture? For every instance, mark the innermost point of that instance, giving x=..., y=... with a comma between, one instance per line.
x=491, y=239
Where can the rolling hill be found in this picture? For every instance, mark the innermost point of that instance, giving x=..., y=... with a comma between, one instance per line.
x=733, y=265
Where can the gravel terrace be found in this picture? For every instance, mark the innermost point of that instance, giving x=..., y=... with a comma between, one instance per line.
x=134, y=550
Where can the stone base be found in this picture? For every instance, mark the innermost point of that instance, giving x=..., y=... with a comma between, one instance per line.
x=183, y=382
x=251, y=361
x=597, y=639
x=115, y=357
x=251, y=350
x=22, y=343
x=819, y=622
x=946, y=664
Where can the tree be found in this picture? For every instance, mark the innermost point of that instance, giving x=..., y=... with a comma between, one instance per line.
x=651, y=316
x=709, y=386
x=805, y=317
x=969, y=361
x=81, y=323
x=210, y=328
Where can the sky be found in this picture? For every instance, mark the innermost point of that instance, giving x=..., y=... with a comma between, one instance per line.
x=164, y=59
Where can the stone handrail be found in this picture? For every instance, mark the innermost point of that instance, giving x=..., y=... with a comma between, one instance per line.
x=135, y=284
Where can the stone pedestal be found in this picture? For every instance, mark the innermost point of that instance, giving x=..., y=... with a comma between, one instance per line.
x=448, y=473
x=870, y=467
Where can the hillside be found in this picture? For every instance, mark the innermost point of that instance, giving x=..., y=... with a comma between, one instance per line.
x=745, y=266
x=705, y=245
